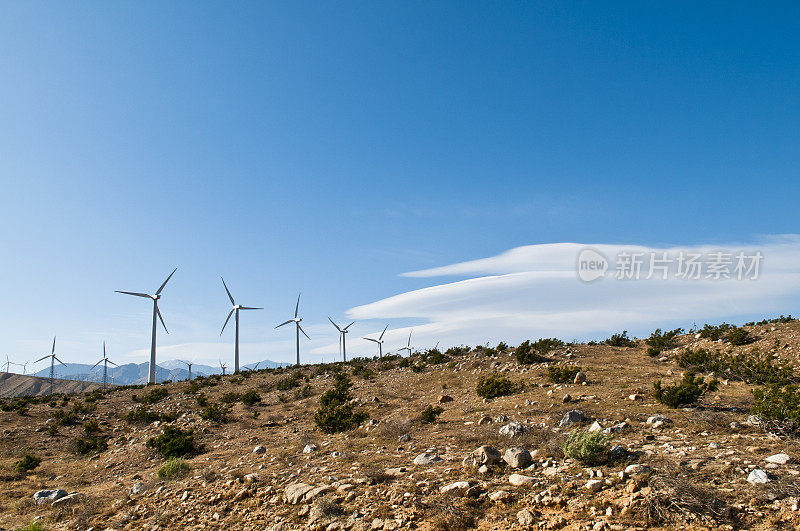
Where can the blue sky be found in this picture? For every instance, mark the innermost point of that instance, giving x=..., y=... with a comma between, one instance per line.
x=330, y=148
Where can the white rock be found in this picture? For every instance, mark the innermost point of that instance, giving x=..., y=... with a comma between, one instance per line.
x=779, y=459
x=594, y=485
x=525, y=518
x=427, y=458
x=757, y=476
x=517, y=457
x=310, y=448
x=459, y=488
x=518, y=480
x=500, y=496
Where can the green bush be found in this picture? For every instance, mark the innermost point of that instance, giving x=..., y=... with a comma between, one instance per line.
x=778, y=403
x=64, y=418
x=686, y=393
x=620, y=340
x=155, y=395
x=250, y=398
x=143, y=415
x=431, y=413
x=289, y=382
x=715, y=332
x=752, y=367
x=230, y=398
x=27, y=463
x=33, y=526
x=738, y=337
x=589, y=448
x=405, y=362
x=303, y=392
x=90, y=445
x=215, y=413
x=174, y=468
x=496, y=385
x=502, y=347
x=174, y=442
x=660, y=341
x=418, y=367
x=90, y=427
x=535, y=352
x=202, y=399
x=360, y=369
x=335, y=414
x=562, y=373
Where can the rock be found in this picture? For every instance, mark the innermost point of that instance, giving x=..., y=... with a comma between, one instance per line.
x=595, y=427
x=580, y=378
x=69, y=499
x=404, y=438
x=636, y=470
x=259, y=450
x=459, y=488
x=443, y=399
x=512, y=429
x=757, y=476
x=616, y=428
x=657, y=421
x=427, y=458
x=517, y=457
x=518, y=480
x=779, y=459
x=48, y=496
x=294, y=493
x=138, y=488
x=250, y=478
x=500, y=496
x=618, y=452
x=594, y=485
x=525, y=518
x=572, y=417
x=310, y=448
x=500, y=419
x=485, y=455
x=486, y=419
x=566, y=399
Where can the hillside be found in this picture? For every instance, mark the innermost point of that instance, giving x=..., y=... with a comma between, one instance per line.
x=12, y=385
x=494, y=463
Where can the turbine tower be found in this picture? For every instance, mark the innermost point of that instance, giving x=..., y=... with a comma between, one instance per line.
x=8, y=363
x=299, y=329
x=53, y=361
x=152, y=377
x=188, y=364
x=408, y=347
x=342, y=336
x=236, y=308
x=105, y=361
x=379, y=341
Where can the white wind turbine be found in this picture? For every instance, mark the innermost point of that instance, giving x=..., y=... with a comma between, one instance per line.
x=298, y=329
x=188, y=364
x=379, y=341
x=342, y=338
x=408, y=347
x=8, y=364
x=53, y=360
x=152, y=377
x=223, y=367
x=236, y=308
x=105, y=361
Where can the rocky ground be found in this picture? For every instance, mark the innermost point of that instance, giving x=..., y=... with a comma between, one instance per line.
x=485, y=464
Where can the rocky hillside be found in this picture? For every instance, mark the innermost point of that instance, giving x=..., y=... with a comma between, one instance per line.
x=12, y=385
x=579, y=441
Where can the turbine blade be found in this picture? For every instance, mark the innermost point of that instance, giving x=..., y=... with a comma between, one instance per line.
x=165, y=282
x=112, y=363
x=334, y=324
x=249, y=308
x=54, y=345
x=40, y=359
x=384, y=331
x=370, y=339
x=348, y=326
x=287, y=322
x=304, y=332
x=226, y=322
x=61, y=362
x=145, y=295
x=104, y=349
x=297, y=308
x=409, y=338
x=228, y=291
x=96, y=364
x=161, y=319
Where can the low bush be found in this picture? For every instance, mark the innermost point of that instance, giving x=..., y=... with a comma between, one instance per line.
x=173, y=468
x=90, y=427
x=230, y=398
x=620, y=340
x=304, y=392
x=685, y=393
x=778, y=404
x=251, y=398
x=496, y=385
x=431, y=413
x=142, y=414
x=215, y=413
x=174, y=442
x=751, y=367
x=27, y=463
x=418, y=367
x=589, y=448
x=660, y=341
x=290, y=382
x=738, y=337
x=155, y=395
x=335, y=414
x=536, y=352
x=93, y=444
x=562, y=373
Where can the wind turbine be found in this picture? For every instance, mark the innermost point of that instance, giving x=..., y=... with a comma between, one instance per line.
x=24, y=367
x=299, y=329
x=342, y=337
x=223, y=367
x=53, y=361
x=152, y=376
x=188, y=364
x=105, y=361
x=379, y=341
x=254, y=368
x=8, y=363
x=236, y=308
x=408, y=347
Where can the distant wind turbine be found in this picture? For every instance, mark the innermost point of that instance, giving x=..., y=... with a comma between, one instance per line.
x=236, y=308
x=152, y=376
x=188, y=364
x=105, y=361
x=379, y=341
x=342, y=338
x=254, y=368
x=223, y=367
x=53, y=360
x=299, y=329
x=8, y=364
x=408, y=347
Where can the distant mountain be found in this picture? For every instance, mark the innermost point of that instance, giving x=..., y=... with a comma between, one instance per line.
x=27, y=385
x=133, y=373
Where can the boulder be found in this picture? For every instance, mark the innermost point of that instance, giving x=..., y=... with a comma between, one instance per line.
x=580, y=378
x=512, y=429
x=484, y=455
x=443, y=399
x=594, y=485
x=757, y=476
x=294, y=493
x=259, y=450
x=459, y=488
x=48, y=496
x=526, y=518
x=518, y=480
x=517, y=457
x=779, y=459
x=69, y=499
x=500, y=496
x=570, y=418
x=138, y=488
x=426, y=458
x=310, y=448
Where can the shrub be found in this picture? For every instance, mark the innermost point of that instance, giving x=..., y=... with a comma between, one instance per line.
x=90, y=445
x=174, y=467
x=715, y=332
x=174, y=442
x=359, y=369
x=202, y=399
x=155, y=395
x=405, y=362
x=215, y=413
x=431, y=413
x=335, y=414
x=620, y=340
x=27, y=463
x=590, y=448
x=90, y=427
x=502, y=347
x=303, y=392
x=685, y=393
x=290, y=382
x=251, y=398
x=495, y=386
x=738, y=337
x=435, y=357
x=562, y=373
x=535, y=352
x=64, y=418
x=778, y=403
x=143, y=415
x=230, y=398
x=418, y=367
x=660, y=341
x=751, y=367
